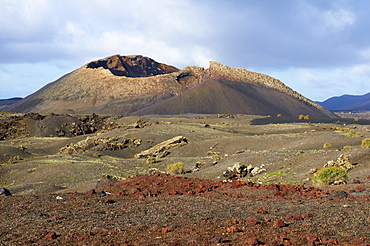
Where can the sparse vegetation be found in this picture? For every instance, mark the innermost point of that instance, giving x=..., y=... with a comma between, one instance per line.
x=330, y=175
x=327, y=145
x=347, y=147
x=365, y=143
x=175, y=168
x=14, y=159
x=151, y=160
x=351, y=132
x=266, y=178
x=304, y=117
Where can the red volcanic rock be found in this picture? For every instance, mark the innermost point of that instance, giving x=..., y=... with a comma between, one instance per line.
x=252, y=241
x=279, y=223
x=132, y=66
x=294, y=216
x=166, y=229
x=51, y=236
x=261, y=211
x=91, y=192
x=306, y=215
x=232, y=229
x=58, y=217
x=312, y=238
x=251, y=221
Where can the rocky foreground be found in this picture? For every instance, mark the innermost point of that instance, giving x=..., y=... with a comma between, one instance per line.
x=167, y=210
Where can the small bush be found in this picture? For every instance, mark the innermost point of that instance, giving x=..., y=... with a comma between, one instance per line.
x=151, y=160
x=365, y=143
x=351, y=133
x=356, y=119
x=330, y=175
x=175, y=168
x=347, y=147
x=96, y=154
x=327, y=145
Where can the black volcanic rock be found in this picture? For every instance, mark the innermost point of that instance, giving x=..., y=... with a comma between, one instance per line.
x=137, y=85
x=348, y=103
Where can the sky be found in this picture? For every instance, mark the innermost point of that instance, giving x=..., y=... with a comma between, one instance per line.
x=319, y=48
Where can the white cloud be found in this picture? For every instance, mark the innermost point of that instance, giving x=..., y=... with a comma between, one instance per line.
x=337, y=20
x=361, y=69
x=326, y=21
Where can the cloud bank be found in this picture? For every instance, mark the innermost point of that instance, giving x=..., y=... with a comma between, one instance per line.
x=319, y=48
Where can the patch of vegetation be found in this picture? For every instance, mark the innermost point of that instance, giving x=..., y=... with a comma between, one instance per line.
x=365, y=143
x=175, y=168
x=151, y=160
x=327, y=145
x=304, y=117
x=14, y=159
x=330, y=175
x=293, y=182
x=6, y=185
x=347, y=147
x=268, y=177
x=351, y=132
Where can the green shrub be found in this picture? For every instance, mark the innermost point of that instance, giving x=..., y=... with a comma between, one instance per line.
x=175, y=168
x=365, y=143
x=330, y=175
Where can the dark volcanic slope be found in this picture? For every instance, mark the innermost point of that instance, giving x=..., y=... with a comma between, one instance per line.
x=9, y=101
x=137, y=85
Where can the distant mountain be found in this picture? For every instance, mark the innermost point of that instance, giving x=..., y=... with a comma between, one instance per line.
x=138, y=85
x=347, y=103
x=9, y=101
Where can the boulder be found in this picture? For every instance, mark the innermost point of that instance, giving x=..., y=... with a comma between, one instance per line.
x=4, y=191
x=161, y=149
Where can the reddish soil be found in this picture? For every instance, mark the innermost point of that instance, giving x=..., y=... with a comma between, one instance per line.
x=168, y=210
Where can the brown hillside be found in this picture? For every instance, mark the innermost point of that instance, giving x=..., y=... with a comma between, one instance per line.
x=137, y=85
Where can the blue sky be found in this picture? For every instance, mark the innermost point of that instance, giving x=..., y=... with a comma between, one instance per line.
x=319, y=48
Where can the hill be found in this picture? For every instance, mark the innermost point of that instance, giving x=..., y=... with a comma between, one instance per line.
x=348, y=103
x=138, y=85
x=9, y=101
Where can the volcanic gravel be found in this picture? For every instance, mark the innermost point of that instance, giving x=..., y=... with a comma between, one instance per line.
x=168, y=210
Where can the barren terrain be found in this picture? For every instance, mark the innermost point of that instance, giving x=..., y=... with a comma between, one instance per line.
x=50, y=162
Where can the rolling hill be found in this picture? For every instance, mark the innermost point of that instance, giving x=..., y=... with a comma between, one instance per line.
x=348, y=103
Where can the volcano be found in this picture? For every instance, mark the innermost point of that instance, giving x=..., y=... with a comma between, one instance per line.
x=138, y=85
